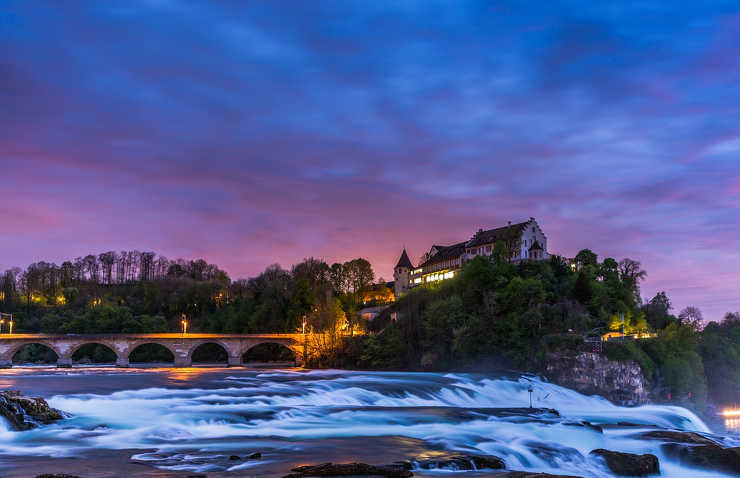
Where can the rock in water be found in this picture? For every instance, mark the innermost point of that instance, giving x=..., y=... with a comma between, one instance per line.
x=56, y=475
x=24, y=413
x=348, y=469
x=677, y=437
x=453, y=463
x=712, y=457
x=628, y=464
x=530, y=474
x=255, y=456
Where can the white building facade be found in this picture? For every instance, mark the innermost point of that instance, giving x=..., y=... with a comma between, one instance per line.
x=524, y=240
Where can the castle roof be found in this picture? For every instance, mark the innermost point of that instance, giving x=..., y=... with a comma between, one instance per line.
x=498, y=234
x=404, y=261
x=445, y=252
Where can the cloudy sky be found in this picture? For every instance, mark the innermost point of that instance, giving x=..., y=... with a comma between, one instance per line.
x=250, y=133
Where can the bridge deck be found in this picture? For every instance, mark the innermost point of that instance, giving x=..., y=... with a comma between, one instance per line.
x=180, y=345
x=189, y=335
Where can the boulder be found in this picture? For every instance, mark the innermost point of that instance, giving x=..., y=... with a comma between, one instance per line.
x=709, y=456
x=255, y=456
x=348, y=469
x=676, y=437
x=628, y=464
x=234, y=458
x=24, y=413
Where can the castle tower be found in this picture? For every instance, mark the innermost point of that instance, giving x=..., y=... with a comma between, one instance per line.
x=402, y=274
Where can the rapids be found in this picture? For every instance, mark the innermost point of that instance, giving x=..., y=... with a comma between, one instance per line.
x=194, y=419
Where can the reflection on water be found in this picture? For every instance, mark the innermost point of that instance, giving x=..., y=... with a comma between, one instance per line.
x=732, y=423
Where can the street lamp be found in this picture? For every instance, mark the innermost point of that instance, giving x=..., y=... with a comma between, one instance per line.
x=184, y=325
x=1, y=325
x=530, y=390
x=11, y=325
x=305, y=344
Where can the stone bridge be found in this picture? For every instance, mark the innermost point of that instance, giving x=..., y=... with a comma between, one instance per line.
x=182, y=346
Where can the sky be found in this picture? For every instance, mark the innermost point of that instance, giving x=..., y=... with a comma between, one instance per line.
x=250, y=133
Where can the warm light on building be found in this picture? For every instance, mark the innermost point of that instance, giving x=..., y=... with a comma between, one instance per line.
x=729, y=412
x=61, y=300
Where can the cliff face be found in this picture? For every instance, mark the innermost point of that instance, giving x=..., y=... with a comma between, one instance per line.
x=593, y=374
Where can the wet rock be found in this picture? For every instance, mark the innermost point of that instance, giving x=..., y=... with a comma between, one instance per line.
x=595, y=374
x=585, y=424
x=453, y=463
x=529, y=474
x=24, y=413
x=234, y=458
x=710, y=456
x=56, y=475
x=628, y=464
x=255, y=456
x=676, y=437
x=552, y=453
x=348, y=469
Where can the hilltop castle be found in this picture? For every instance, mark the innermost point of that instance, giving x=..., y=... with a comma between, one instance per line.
x=525, y=241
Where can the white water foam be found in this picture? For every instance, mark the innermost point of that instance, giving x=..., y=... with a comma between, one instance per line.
x=337, y=404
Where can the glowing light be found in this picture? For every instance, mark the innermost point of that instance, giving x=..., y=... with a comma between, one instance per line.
x=729, y=412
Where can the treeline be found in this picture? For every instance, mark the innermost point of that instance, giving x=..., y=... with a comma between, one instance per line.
x=47, y=281
x=136, y=291
x=499, y=314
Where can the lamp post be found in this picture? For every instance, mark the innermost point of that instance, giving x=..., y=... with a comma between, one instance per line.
x=1, y=325
x=11, y=325
x=184, y=323
x=303, y=324
x=530, y=390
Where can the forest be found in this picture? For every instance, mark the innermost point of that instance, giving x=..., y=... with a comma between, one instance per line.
x=140, y=292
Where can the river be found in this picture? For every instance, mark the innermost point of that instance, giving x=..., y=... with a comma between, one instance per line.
x=173, y=422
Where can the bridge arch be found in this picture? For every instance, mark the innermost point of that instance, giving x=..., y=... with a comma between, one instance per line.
x=110, y=346
x=269, y=351
x=160, y=347
x=11, y=353
x=228, y=350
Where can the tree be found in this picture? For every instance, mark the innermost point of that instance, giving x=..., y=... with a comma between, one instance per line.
x=731, y=318
x=691, y=316
x=586, y=257
x=657, y=311
x=441, y=323
x=582, y=289
x=631, y=273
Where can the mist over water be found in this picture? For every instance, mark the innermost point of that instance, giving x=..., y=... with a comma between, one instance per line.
x=195, y=419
